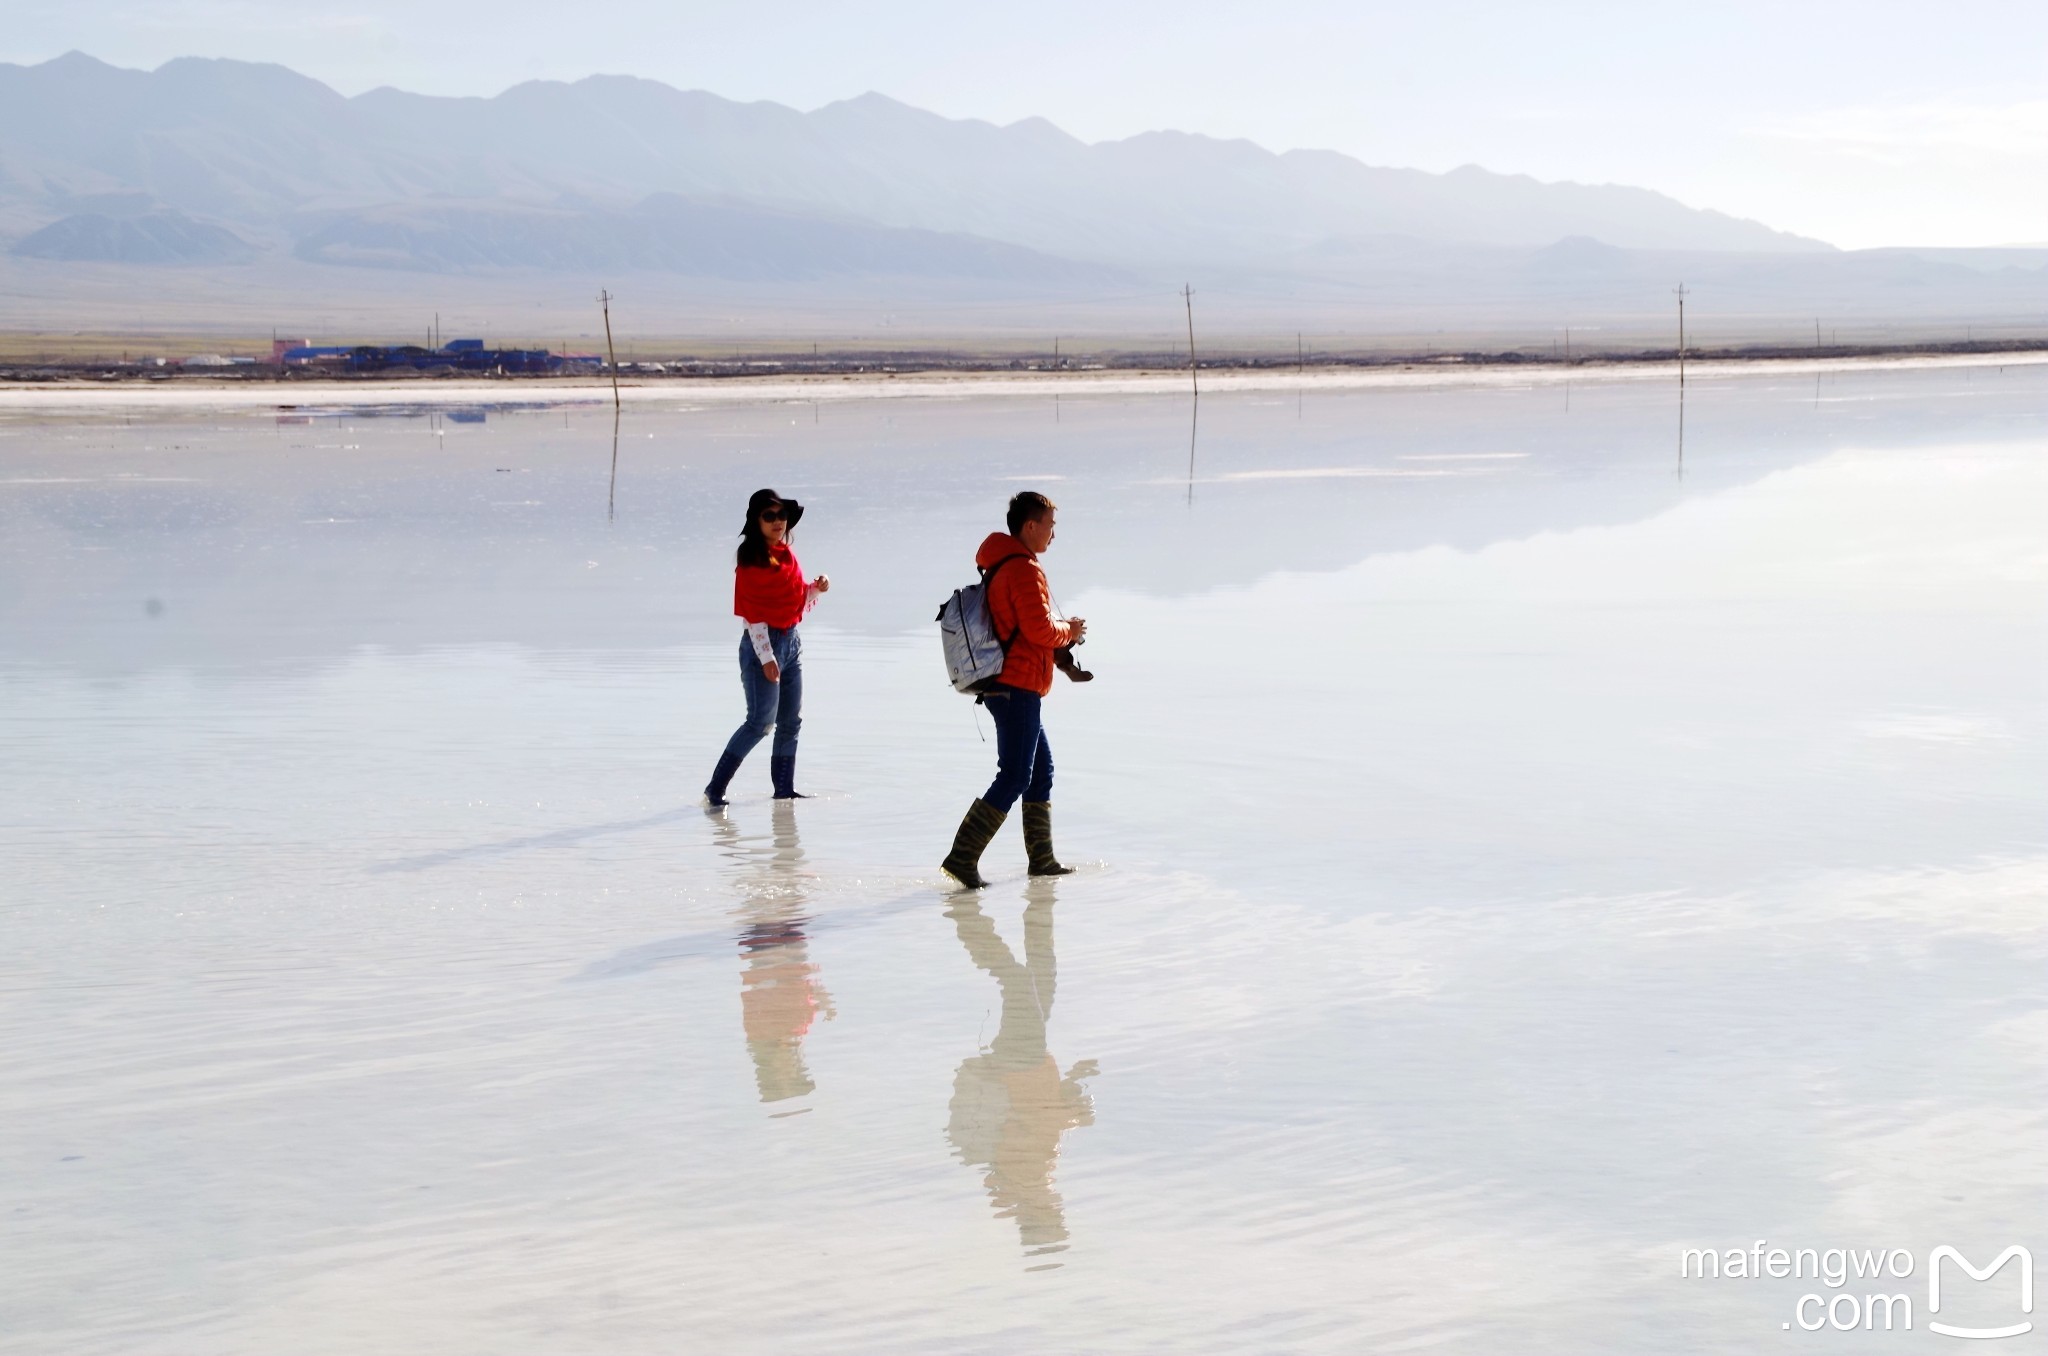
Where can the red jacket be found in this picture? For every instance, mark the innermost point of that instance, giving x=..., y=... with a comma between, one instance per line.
x=774, y=593
x=1020, y=604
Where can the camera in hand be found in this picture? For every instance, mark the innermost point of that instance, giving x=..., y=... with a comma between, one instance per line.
x=1063, y=659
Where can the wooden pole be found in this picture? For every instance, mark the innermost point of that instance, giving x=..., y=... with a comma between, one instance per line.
x=1187, y=295
x=604, y=299
x=1681, y=334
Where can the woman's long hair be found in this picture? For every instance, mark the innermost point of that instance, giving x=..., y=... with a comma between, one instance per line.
x=753, y=542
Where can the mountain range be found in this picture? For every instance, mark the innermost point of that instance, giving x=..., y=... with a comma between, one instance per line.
x=217, y=162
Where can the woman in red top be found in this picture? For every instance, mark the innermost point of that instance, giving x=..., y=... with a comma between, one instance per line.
x=771, y=595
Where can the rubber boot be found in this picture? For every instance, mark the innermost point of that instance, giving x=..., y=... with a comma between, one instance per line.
x=782, y=771
x=963, y=863
x=721, y=777
x=1038, y=840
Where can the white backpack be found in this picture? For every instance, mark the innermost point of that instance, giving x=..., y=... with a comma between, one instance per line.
x=974, y=652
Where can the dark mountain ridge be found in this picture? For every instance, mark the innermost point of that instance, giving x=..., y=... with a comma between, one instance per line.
x=667, y=233
x=159, y=237
x=262, y=150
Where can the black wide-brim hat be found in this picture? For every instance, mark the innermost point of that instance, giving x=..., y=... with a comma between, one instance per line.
x=791, y=510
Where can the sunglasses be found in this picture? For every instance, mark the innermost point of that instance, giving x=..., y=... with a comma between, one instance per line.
x=773, y=515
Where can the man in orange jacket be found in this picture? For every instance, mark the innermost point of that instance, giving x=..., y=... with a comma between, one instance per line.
x=1020, y=607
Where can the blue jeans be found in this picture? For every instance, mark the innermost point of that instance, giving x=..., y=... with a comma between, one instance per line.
x=1023, y=758
x=774, y=706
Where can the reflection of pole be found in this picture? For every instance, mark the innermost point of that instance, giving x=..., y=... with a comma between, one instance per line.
x=1194, y=414
x=611, y=500
x=1187, y=295
x=1681, y=430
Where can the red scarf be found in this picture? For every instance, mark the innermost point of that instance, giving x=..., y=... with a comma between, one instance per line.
x=773, y=593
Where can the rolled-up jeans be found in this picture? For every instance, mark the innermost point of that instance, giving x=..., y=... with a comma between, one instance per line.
x=1023, y=758
x=776, y=706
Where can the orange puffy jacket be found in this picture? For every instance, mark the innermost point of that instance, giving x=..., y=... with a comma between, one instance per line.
x=1020, y=606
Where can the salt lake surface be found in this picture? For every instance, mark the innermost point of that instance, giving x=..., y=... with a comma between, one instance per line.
x=1510, y=855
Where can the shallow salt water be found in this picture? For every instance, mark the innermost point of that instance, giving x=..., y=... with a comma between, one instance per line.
x=1509, y=857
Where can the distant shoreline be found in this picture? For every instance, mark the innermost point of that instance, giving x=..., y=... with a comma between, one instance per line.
x=194, y=392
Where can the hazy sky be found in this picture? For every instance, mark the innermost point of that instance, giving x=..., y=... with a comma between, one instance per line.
x=1878, y=122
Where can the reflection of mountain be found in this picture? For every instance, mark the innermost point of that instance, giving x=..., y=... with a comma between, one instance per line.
x=780, y=994
x=272, y=544
x=1011, y=1104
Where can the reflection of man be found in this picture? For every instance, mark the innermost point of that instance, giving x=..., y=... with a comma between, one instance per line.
x=1010, y=1103
x=779, y=990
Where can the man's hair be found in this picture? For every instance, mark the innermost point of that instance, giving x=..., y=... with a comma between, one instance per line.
x=1028, y=507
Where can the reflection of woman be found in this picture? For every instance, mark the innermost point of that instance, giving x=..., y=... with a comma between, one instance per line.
x=1010, y=1103
x=771, y=595
x=780, y=994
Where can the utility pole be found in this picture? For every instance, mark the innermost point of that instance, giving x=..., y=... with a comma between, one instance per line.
x=1567, y=343
x=604, y=299
x=1681, y=333
x=611, y=499
x=1187, y=295
x=1816, y=331
x=1299, y=366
